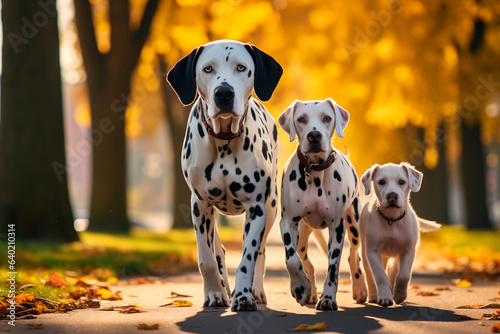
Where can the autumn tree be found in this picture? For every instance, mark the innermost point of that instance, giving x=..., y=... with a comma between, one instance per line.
x=109, y=67
x=34, y=193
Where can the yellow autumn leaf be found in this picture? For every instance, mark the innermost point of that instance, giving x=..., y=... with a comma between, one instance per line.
x=112, y=280
x=463, y=283
x=320, y=326
x=147, y=327
x=182, y=303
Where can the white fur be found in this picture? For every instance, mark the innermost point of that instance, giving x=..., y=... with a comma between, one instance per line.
x=388, y=251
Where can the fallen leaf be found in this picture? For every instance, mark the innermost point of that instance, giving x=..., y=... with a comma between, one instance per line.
x=178, y=295
x=24, y=297
x=497, y=311
x=415, y=287
x=495, y=328
x=106, y=294
x=112, y=280
x=470, y=306
x=35, y=326
x=463, y=283
x=178, y=302
x=491, y=306
x=427, y=293
x=320, y=326
x=147, y=327
x=465, y=317
x=133, y=309
x=140, y=280
x=442, y=288
x=56, y=280
x=83, y=284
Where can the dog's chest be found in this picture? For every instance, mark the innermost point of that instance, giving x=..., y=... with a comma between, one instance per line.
x=397, y=238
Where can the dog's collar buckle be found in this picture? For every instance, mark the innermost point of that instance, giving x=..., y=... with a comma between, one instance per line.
x=390, y=221
x=310, y=166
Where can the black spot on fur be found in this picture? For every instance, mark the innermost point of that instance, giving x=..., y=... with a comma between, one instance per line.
x=249, y=187
x=200, y=130
x=247, y=228
x=354, y=241
x=303, y=249
x=198, y=195
x=244, y=269
x=254, y=242
x=234, y=187
x=356, y=275
x=344, y=198
x=339, y=230
x=215, y=192
x=256, y=175
x=253, y=114
x=289, y=253
x=335, y=253
x=297, y=218
x=332, y=270
x=238, y=171
x=320, y=192
x=273, y=203
x=246, y=179
x=355, y=205
x=225, y=172
x=349, y=219
x=293, y=176
x=246, y=145
x=354, y=231
x=286, y=239
x=302, y=180
x=355, y=178
x=257, y=212
x=188, y=151
x=264, y=150
x=336, y=176
x=196, y=211
x=236, y=202
x=298, y=293
x=249, y=73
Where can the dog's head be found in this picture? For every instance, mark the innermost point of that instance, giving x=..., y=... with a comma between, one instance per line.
x=314, y=123
x=225, y=74
x=392, y=184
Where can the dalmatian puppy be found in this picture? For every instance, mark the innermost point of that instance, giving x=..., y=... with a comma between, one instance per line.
x=390, y=231
x=319, y=190
x=229, y=160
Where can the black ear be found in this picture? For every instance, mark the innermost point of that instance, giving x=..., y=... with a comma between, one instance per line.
x=182, y=77
x=267, y=72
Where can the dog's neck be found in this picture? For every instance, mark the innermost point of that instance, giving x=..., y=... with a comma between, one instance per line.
x=317, y=158
x=391, y=214
x=310, y=166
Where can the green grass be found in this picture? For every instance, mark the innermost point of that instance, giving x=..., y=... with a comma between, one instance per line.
x=103, y=255
x=456, y=241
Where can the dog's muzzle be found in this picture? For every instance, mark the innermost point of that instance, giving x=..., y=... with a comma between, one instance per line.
x=224, y=97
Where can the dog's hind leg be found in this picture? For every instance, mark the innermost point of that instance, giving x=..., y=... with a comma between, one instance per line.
x=358, y=281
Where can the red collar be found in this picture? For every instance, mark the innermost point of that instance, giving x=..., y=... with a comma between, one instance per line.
x=310, y=166
x=221, y=135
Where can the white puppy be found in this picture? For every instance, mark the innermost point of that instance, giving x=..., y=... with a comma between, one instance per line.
x=390, y=231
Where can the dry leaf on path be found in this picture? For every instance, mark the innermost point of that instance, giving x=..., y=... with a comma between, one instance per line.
x=130, y=310
x=427, y=293
x=480, y=306
x=35, y=326
x=463, y=283
x=495, y=328
x=415, y=287
x=442, y=288
x=320, y=326
x=178, y=295
x=178, y=302
x=465, y=317
x=147, y=327
x=56, y=280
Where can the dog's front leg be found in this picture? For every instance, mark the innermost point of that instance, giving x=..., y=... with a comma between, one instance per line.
x=300, y=285
x=404, y=276
x=328, y=299
x=255, y=228
x=213, y=282
x=381, y=279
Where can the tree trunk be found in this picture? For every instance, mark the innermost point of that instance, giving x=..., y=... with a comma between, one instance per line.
x=431, y=201
x=108, y=78
x=474, y=178
x=177, y=116
x=33, y=179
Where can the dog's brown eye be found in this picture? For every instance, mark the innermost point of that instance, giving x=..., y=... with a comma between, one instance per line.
x=301, y=120
x=327, y=119
x=381, y=182
x=402, y=182
x=241, y=68
x=207, y=69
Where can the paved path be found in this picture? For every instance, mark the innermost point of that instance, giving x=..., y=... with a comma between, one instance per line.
x=419, y=314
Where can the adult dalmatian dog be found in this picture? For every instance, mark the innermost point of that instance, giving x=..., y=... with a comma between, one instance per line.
x=229, y=159
x=319, y=190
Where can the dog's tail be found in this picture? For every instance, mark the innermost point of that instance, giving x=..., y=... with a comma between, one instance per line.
x=427, y=225
x=321, y=241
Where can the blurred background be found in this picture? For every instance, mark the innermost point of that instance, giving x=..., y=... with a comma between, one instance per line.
x=90, y=132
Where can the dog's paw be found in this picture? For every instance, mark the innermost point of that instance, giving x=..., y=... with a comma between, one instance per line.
x=314, y=296
x=359, y=292
x=326, y=303
x=259, y=295
x=244, y=302
x=216, y=299
x=385, y=302
x=300, y=287
x=400, y=295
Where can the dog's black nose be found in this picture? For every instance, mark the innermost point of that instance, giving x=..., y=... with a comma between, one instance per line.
x=224, y=97
x=392, y=197
x=314, y=137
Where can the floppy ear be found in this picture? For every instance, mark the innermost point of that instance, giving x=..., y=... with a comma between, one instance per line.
x=341, y=117
x=285, y=120
x=182, y=77
x=267, y=73
x=414, y=176
x=366, y=179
